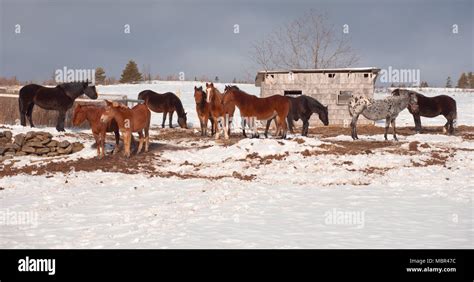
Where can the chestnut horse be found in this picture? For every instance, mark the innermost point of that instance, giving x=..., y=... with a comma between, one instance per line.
x=250, y=106
x=219, y=110
x=165, y=103
x=92, y=114
x=432, y=107
x=203, y=110
x=129, y=120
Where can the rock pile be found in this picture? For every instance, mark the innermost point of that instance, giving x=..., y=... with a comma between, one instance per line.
x=36, y=143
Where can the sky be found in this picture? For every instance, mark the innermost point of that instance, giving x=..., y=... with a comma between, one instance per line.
x=197, y=37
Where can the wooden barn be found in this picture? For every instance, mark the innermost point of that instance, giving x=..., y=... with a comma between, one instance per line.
x=331, y=87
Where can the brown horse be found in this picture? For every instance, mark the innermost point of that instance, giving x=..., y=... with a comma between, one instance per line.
x=129, y=120
x=166, y=103
x=203, y=110
x=219, y=110
x=432, y=107
x=92, y=114
x=250, y=106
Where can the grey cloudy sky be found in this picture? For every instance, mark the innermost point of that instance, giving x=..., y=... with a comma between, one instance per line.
x=197, y=38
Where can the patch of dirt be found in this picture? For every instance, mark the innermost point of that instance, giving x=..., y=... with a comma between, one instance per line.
x=266, y=159
x=413, y=146
x=237, y=175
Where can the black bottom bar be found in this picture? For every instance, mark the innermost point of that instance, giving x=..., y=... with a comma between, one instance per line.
x=291, y=265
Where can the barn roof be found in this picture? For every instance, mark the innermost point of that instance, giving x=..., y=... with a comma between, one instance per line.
x=261, y=74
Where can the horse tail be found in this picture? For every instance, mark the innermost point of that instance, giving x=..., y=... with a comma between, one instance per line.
x=455, y=114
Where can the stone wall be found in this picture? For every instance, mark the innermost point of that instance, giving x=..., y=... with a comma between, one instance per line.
x=36, y=143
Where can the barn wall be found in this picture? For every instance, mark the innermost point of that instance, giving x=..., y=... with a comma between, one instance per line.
x=325, y=89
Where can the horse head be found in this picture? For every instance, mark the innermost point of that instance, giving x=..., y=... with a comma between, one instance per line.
x=200, y=96
x=79, y=115
x=183, y=120
x=90, y=90
x=412, y=98
x=324, y=116
x=111, y=110
x=209, y=91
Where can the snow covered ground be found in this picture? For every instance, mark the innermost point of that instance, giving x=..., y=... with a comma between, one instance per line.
x=322, y=191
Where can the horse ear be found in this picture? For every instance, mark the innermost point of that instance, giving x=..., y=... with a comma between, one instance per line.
x=207, y=84
x=212, y=84
x=195, y=88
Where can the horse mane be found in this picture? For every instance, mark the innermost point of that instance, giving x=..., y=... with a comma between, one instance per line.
x=314, y=104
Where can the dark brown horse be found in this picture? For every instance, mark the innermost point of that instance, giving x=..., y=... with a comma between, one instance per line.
x=92, y=114
x=203, y=110
x=250, y=106
x=432, y=107
x=302, y=107
x=219, y=110
x=166, y=103
x=59, y=98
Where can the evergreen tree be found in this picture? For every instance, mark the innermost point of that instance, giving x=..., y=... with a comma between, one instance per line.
x=130, y=73
x=449, y=83
x=100, y=75
x=462, y=81
x=216, y=79
x=470, y=78
x=424, y=84
x=234, y=80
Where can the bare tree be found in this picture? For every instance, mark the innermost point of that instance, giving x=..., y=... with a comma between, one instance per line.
x=306, y=42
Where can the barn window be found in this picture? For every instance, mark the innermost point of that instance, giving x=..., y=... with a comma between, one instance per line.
x=366, y=75
x=293, y=92
x=344, y=97
x=331, y=75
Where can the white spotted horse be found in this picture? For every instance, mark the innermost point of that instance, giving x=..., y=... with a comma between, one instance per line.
x=387, y=108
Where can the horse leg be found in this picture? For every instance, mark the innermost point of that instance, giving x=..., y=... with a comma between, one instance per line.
x=266, y=128
x=394, y=130
x=164, y=119
x=127, y=139
x=225, y=124
x=22, y=112
x=417, y=120
x=171, y=119
x=140, y=142
x=61, y=118
x=147, y=137
x=102, y=141
x=305, y=127
x=97, y=143
x=387, y=125
x=216, y=128
x=354, y=127
x=282, y=127
x=117, y=141
x=244, y=123
x=229, y=125
x=29, y=114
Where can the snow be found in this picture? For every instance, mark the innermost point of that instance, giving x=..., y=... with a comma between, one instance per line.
x=297, y=195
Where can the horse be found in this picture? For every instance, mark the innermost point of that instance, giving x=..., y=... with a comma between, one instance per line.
x=136, y=119
x=59, y=98
x=203, y=110
x=432, y=107
x=302, y=107
x=387, y=108
x=219, y=110
x=166, y=103
x=250, y=106
x=92, y=114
